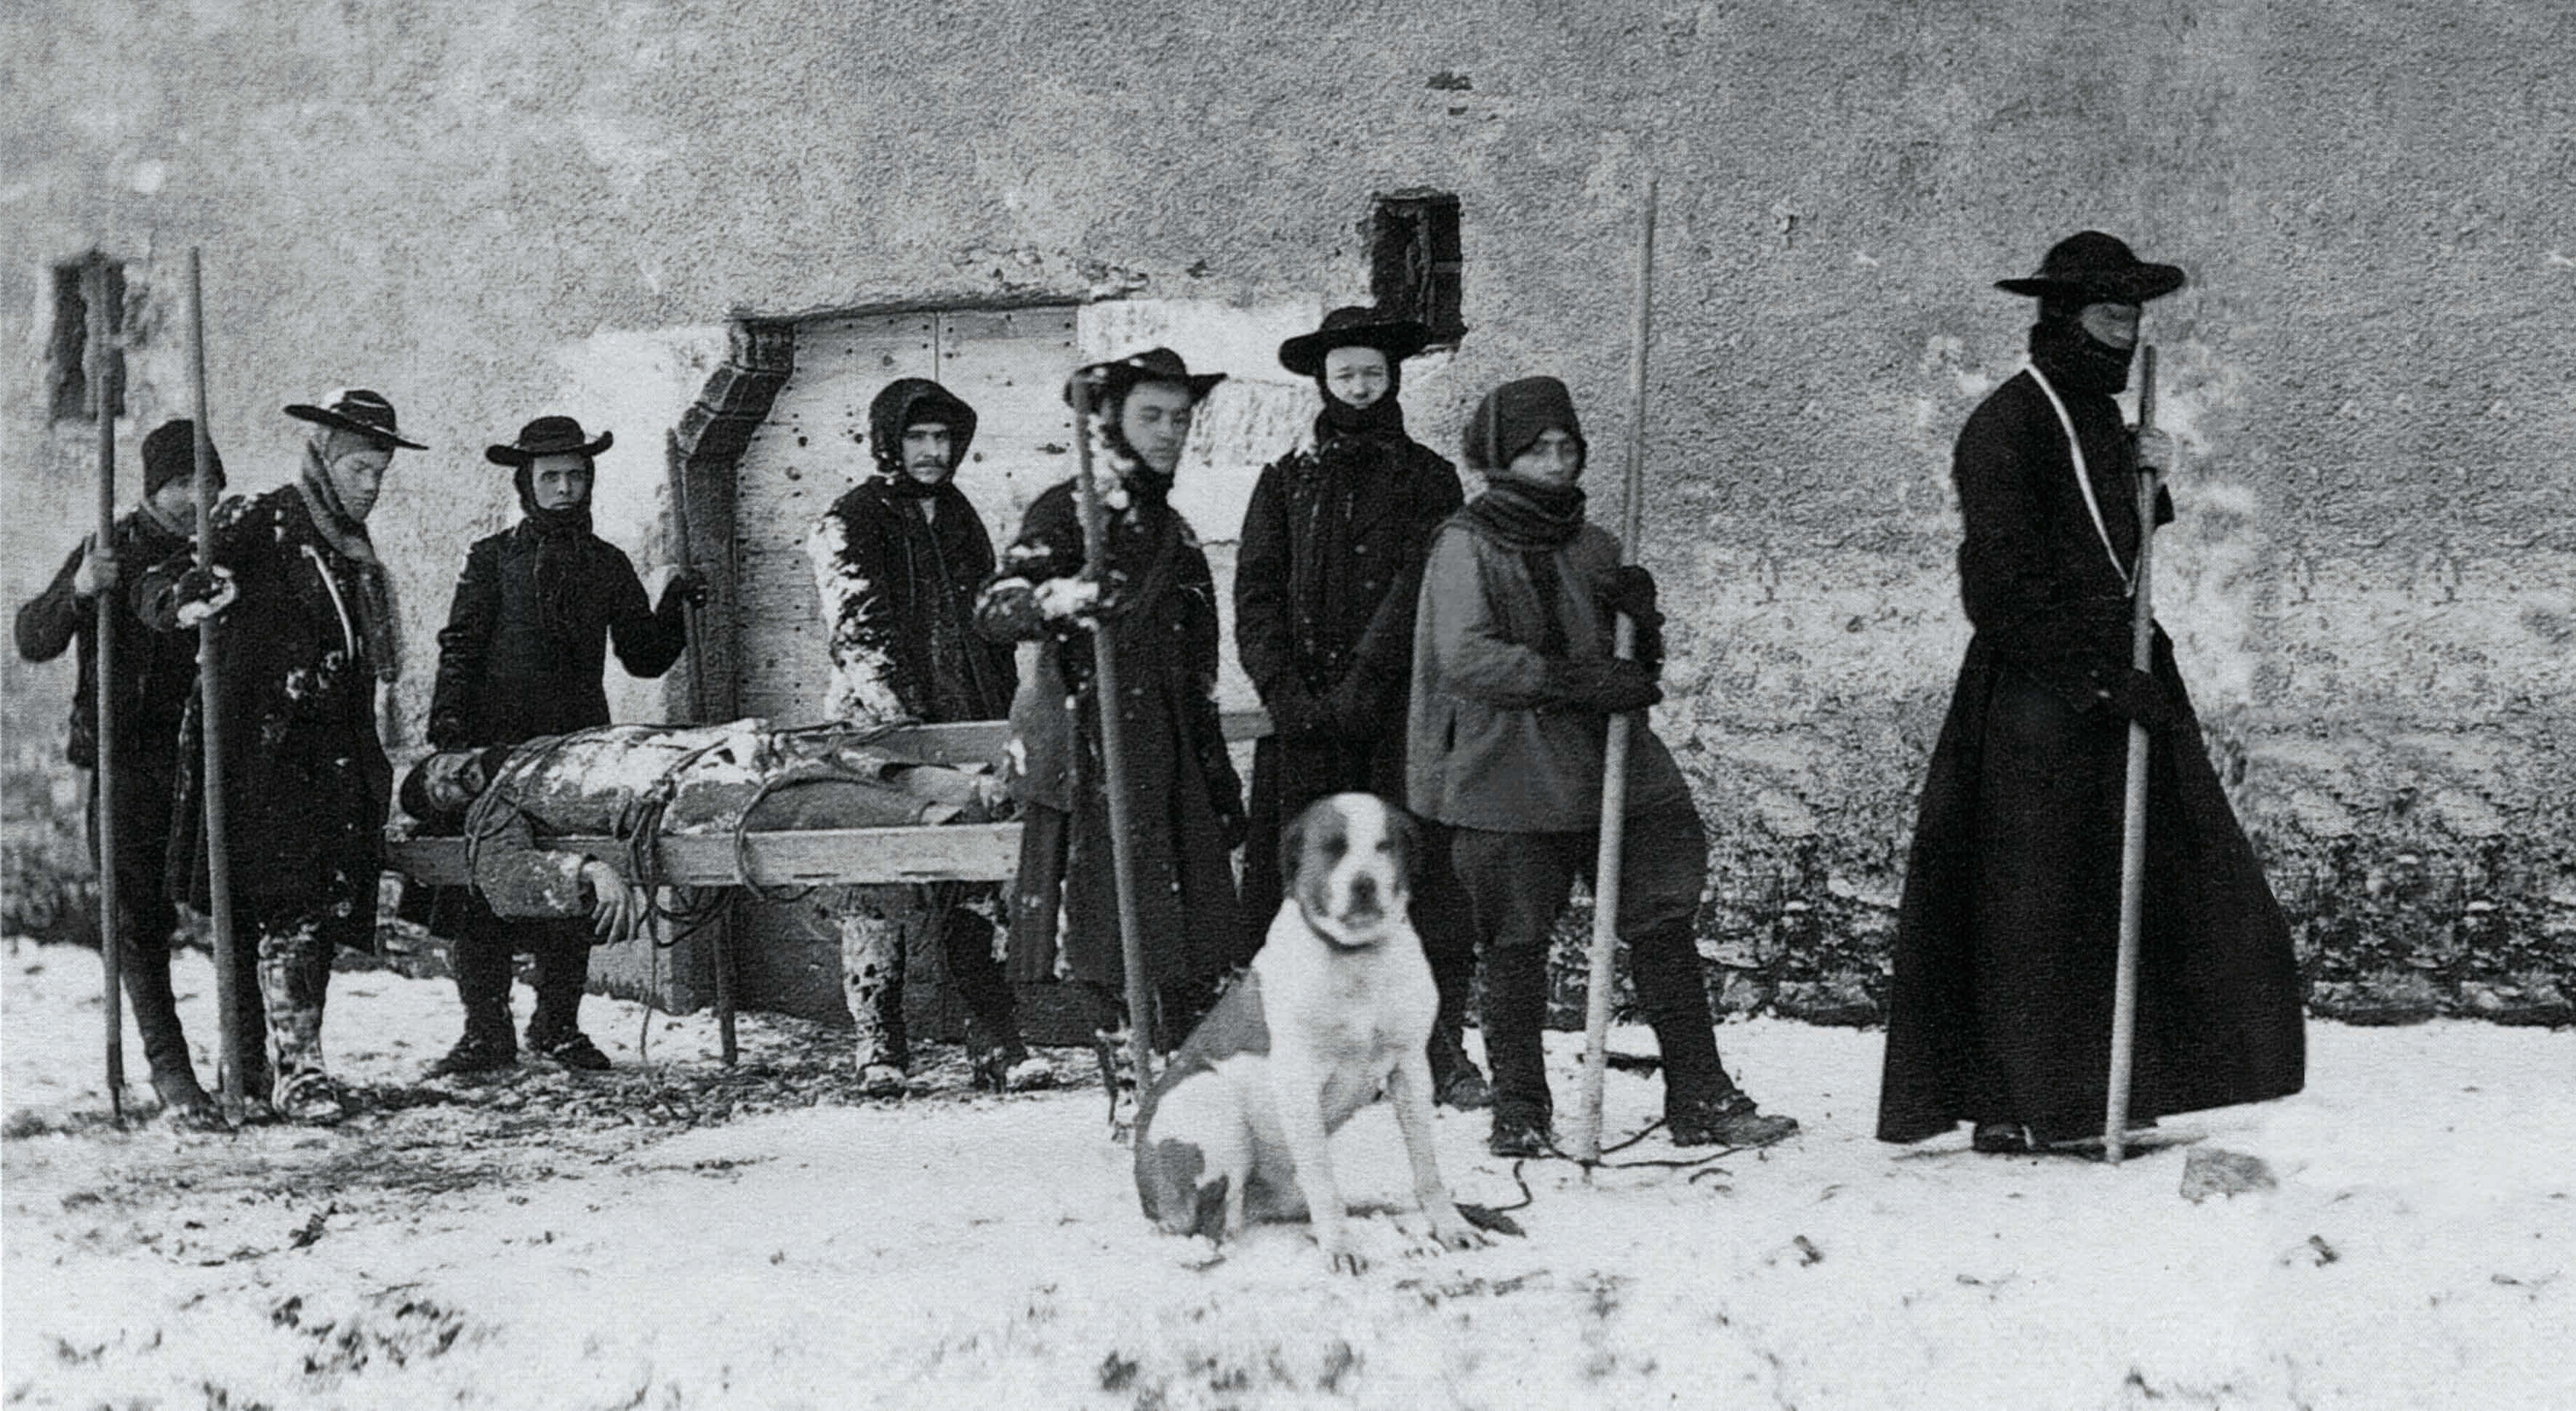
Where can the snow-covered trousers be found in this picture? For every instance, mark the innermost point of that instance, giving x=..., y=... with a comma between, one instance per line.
x=287, y=944
x=874, y=925
x=1518, y=884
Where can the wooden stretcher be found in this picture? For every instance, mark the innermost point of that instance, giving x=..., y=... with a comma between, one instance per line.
x=974, y=852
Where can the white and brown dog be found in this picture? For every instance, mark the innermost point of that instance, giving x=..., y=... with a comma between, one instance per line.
x=1336, y=1010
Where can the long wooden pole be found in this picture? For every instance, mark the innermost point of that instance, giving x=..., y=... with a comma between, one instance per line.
x=1141, y=1018
x=2133, y=822
x=676, y=468
x=210, y=700
x=111, y=950
x=1614, y=763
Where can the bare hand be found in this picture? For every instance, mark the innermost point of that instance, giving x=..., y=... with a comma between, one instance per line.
x=97, y=571
x=616, y=909
x=2155, y=450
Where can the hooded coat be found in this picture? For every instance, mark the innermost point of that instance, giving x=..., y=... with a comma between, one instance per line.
x=1185, y=796
x=897, y=565
x=2006, y=945
x=306, y=782
x=1326, y=576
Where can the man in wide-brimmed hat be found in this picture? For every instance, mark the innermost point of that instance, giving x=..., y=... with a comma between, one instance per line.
x=156, y=676
x=1999, y=1013
x=1514, y=685
x=1186, y=802
x=897, y=562
x=527, y=636
x=310, y=632
x=1324, y=585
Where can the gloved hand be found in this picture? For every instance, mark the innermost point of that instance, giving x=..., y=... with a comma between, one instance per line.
x=1061, y=599
x=1632, y=591
x=1354, y=704
x=202, y=593
x=2138, y=696
x=1610, y=687
x=686, y=586
x=446, y=730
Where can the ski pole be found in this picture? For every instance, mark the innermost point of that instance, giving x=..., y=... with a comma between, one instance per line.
x=2133, y=822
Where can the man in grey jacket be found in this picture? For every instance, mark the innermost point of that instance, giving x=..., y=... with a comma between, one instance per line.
x=1514, y=685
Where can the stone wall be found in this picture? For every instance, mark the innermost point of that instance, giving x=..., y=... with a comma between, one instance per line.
x=495, y=210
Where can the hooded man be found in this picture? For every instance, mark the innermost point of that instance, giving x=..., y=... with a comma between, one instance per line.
x=1324, y=586
x=156, y=679
x=310, y=631
x=897, y=562
x=1514, y=685
x=1185, y=800
x=1999, y=1013
x=535, y=611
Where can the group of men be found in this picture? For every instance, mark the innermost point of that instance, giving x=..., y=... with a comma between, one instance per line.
x=1454, y=656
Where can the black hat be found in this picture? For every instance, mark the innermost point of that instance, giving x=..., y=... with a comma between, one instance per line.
x=359, y=410
x=549, y=436
x=2096, y=268
x=170, y=453
x=1353, y=327
x=1513, y=416
x=1111, y=381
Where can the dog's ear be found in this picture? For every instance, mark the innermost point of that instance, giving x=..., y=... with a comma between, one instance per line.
x=1404, y=835
x=1292, y=850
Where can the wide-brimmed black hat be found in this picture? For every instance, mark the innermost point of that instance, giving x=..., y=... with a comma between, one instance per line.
x=2098, y=268
x=1354, y=327
x=549, y=436
x=1111, y=381
x=359, y=410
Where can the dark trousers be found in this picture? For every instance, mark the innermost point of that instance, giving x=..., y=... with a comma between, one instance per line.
x=145, y=919
x=1518, y=885
x=480, y=946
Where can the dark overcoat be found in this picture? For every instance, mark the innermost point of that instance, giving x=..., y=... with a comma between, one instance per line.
x=505, y=676
x=1183, y=793
x=2007, y=935
x=898, y=587
x=306, y=782
x=156, y=672
x=1326, y=575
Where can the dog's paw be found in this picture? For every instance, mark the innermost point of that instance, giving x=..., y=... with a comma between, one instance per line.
x=1458, y=1234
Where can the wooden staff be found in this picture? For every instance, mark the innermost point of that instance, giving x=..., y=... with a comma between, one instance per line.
x=676, y=468
x=219, y=861
x=2133, y=823
x=1614, y=763
x=111, y=951
x=1113, y=754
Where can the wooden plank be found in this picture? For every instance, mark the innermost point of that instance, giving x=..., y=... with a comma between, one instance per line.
x=980, y=852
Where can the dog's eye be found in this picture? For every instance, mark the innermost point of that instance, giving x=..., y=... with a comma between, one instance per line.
x=1335, y=847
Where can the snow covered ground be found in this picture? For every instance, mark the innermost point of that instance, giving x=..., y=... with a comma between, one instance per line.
x=677, y=1236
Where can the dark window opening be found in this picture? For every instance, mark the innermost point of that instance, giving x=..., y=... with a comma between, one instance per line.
x=1416, y=263
x=69, y=352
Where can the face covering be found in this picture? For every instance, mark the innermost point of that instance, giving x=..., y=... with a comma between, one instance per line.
x=2073, y=360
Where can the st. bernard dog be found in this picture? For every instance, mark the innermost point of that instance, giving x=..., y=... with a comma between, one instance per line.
x=1337, y=1009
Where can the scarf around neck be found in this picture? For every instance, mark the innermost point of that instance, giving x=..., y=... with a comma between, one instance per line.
x=1535, y=521
x=377, y=623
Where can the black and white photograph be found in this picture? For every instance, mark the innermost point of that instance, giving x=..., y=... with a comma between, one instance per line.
x=1176, y=704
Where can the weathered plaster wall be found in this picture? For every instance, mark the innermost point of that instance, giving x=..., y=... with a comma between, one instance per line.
x=484, y=211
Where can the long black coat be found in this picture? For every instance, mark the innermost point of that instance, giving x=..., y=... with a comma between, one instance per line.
x=2007, y=936
x=1326, y=576
x=898, y=593
x=306, y=782
x=505, y=678
x=1183, y=793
